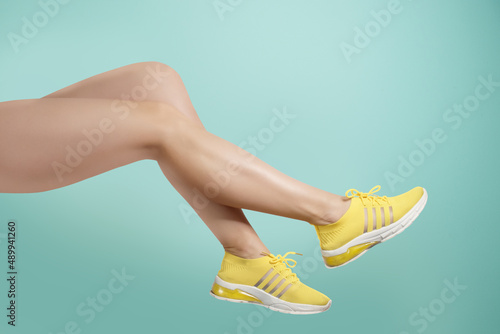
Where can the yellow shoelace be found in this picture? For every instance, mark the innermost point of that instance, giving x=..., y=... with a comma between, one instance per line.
x=367, y=196
x=284, y=264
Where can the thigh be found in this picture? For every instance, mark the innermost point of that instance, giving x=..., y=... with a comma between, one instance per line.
x=145, y=81
x=50, y=143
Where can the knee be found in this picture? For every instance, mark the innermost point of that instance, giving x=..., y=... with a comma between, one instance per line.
x=155, y=81
x=156, y=72
x=170, y=128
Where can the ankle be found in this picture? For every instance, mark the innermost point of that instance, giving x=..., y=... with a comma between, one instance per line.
x=336, y=207
x=246, y=252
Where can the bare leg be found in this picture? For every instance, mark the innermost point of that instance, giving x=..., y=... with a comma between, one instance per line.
x=150, y=81
x=44, y=143
x=184, y=150
x=200, y=158
x=163, y=84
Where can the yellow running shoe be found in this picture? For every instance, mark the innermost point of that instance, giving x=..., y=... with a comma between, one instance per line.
x=267, y=281
x=369, y=221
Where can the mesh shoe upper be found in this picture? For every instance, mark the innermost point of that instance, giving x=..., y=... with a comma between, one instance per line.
x=272, y=274
x=366, y=213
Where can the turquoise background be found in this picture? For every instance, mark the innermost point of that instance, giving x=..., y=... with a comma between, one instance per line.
x=353, y=122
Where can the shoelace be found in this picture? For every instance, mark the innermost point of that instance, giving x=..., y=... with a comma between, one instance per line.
x=284, y=265
x=369, y=196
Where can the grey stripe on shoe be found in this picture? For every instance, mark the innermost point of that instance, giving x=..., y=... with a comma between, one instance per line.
x=366, y=220
x=284, y=290
x=264, y=277
x=277, y=286
x=374, y=212
x=270, y=282
x=382, y=215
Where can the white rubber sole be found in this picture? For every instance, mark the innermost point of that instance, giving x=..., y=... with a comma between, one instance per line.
x=380, y=235
x=268, y=300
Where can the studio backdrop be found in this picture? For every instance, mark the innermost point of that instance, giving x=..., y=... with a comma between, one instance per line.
x=337, y=94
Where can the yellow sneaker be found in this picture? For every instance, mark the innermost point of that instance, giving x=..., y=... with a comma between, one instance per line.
x=369, y=221
x=267, y=281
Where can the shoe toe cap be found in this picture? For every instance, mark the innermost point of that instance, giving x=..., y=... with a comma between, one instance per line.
x=404, y=202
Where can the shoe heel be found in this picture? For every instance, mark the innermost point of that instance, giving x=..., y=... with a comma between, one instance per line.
x=351, y=254
x=233, y=295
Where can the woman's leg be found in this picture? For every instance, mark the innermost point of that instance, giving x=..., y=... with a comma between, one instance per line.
x=217, y=170
x=235, y=172
x=146, y=81
x=51, y=143
x=153, y=81
x=64, y=141
x=36, y=133
x=124, y=81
